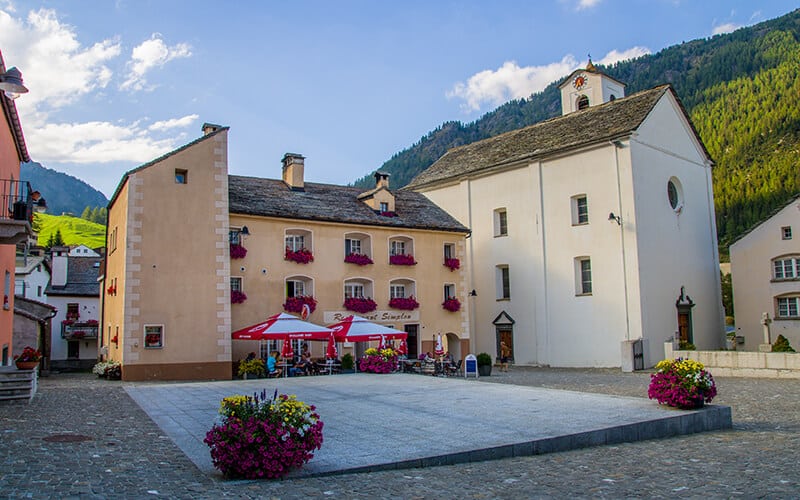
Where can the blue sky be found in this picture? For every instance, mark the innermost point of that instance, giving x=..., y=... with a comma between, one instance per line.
x=345, y=83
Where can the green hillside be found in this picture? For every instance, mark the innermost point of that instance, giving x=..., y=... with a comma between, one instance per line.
x=740, y=89
x=74, y=231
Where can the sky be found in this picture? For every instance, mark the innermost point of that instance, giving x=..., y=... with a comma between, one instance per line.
x=347, y=84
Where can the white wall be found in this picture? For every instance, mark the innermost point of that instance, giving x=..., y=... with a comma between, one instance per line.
x=89, y=309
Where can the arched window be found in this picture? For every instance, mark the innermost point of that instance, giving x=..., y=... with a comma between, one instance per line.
x=583, y=102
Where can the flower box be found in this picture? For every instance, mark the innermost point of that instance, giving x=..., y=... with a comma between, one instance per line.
x=28, y=355
x=378, y=361
x=237, y=297
x=261, y=437
x=302, y=256
x=404, y=303
x=681, y=383
x=452, y=304
x=238, y=251
x=453, y=264
x=295, y=304
x=360, y=305
x=402, y=260
x=357, y=258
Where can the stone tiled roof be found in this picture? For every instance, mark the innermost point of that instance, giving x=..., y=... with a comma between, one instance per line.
x=595, y=124
x=32, y=309
x=81, y=278
x=327, y=202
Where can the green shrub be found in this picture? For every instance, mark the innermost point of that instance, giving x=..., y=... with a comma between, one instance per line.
x=782, y=345
x=347, y=361
x=686, y=346
x=252, y=367
x=484, y=359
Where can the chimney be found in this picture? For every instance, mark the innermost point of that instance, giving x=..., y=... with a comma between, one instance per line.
x=210, y=128
x=293, y=167
x=381, y=180
x=58, y=271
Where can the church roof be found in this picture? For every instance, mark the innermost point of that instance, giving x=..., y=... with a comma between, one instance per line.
x=332, y=203
x=596, y=124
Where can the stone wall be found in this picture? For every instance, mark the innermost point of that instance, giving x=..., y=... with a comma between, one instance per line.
x=742, y=364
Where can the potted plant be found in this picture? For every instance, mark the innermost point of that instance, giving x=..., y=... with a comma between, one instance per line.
x=251, y=368
x=348, y=363
x=681, y=383
x=28, y=359
x=484, y=364
x=261, y=437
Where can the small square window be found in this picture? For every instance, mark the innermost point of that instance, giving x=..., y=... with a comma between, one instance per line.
x=786, y=232
x=580, y=210
x=384, y=206
x=153, y=336
x=181, y=176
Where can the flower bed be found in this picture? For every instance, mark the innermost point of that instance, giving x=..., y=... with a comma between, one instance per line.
x=681, y=383
x=404, y=303
x=262, y=437
x=295, y=304
x=452, y=304
x=453, y=264
x=357, y=258
x=375, y=361
x=28, y=354
x=237, y=297
x=108, y=369
x=402, y=260
x=302, y=256
x=238, y=251
x=360, y=305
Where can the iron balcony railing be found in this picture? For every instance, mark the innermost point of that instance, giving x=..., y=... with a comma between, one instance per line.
x=16, y=200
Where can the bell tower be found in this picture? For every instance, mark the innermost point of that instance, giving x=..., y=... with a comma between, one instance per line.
x=588, y=87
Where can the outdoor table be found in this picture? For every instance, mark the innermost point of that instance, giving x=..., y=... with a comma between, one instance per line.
x=284, y=367
x=328, y=367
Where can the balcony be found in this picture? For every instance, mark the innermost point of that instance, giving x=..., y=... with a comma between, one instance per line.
x=16, y=211
x=79, y=331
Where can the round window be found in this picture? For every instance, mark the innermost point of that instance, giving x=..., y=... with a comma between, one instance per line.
x=674, y=194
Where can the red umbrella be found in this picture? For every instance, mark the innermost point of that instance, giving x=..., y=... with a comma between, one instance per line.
x=403, y=349
x=331, y=353
x=439, y=346
x=282, y=327
x=287, y=353
x=358, y=329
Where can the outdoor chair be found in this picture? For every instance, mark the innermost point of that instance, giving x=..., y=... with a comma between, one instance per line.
x=454, y=369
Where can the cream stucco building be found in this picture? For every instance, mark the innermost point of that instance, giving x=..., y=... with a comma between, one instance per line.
x=589, y=231
x=195, y=253
x=765, y=268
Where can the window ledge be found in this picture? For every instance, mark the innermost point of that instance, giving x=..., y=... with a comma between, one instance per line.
x=504, y=299
x=574, y=224
x=500, y=235
x=787, y=318
x=783, y=280
x=583, y=294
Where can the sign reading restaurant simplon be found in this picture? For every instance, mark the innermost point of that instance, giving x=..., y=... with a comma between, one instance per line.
x=376, y=316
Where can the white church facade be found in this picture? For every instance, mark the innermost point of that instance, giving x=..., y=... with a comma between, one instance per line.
x=590, y=231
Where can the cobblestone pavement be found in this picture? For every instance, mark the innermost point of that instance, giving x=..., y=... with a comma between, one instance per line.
x=126, y=455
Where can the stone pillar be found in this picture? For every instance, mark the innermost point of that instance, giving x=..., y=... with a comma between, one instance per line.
x=765, y=322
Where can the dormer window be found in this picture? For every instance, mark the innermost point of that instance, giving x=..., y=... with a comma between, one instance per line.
x=384, y=206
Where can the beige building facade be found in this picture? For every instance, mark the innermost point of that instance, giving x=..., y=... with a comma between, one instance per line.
x=195, y=253
x=765, y=269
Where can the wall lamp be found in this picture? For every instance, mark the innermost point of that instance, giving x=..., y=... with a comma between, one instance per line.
x=245, y=231
x=11, y=83
x=615, y=218
x=473, y=293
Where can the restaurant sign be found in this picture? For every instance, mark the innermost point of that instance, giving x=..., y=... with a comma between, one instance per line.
x=329, y=317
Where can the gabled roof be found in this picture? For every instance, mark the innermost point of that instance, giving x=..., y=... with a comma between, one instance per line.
x=772, y=214
x=597, y=124
x=161, y=158
x=33, y=309
x=81, y=278
x=31, y=264
x=332, y=203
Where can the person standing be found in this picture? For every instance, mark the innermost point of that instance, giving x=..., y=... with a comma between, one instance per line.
x=505, y=356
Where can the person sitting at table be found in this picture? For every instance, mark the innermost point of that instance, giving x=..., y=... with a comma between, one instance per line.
x=272, y=364
x=448, y=358
x=429, y=357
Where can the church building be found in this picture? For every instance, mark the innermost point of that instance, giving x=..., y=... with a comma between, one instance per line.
x=593, y=234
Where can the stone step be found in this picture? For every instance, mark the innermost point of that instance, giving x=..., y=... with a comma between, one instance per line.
x=11, y=397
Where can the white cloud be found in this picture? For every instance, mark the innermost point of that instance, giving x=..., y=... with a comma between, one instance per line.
x=725, y=28
x=586, y=4
x=173, y=123
x=511, y=81
x=152, y=53
x=62, y=74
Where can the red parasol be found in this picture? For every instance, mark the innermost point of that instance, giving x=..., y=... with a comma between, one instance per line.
x=403, y=349
x=358, y=329
x=331, y=352
x=282, y=327
x=439, y=346
x=287, y=353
